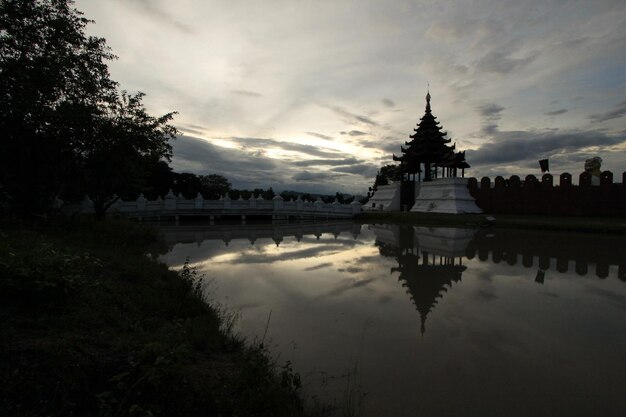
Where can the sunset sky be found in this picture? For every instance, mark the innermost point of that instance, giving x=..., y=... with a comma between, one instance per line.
x=317, y=95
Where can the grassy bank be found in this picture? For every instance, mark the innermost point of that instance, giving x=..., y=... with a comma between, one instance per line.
x=92, y=326
x=609, y=225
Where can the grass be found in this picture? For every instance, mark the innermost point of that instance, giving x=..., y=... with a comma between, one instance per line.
x=91, y=325
x=606, y=225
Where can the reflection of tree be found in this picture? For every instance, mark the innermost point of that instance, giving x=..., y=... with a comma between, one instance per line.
x=426, y=276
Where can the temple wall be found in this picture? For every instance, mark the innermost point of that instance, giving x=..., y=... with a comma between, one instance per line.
x=534, y=196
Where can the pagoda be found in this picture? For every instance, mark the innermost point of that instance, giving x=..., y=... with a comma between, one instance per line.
x=429, y=151
x=429, y=147
x=439, y=190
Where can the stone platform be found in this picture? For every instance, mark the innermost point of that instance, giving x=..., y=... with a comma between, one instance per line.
x=386, y=198
x=445, y=195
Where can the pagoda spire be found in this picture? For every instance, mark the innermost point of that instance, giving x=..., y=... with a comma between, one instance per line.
x=428, y=99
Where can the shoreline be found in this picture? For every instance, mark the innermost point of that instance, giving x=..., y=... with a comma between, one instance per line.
x=604, y=225
x=94, y=325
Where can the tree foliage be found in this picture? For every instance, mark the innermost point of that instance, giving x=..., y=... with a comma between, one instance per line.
x=65, y=126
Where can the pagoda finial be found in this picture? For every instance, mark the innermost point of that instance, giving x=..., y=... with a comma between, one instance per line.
x=428, y=99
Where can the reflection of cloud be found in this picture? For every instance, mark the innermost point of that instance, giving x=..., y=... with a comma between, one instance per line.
x=266, y=258
x=343, y=288
x=319, y=266
x=608, y=295
x=351, y=270
x=485, y=295
x=384, y=299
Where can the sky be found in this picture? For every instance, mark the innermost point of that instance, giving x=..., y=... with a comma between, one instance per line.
x=316, y=96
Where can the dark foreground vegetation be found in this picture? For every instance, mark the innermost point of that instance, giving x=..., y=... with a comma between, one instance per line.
x=92, y=326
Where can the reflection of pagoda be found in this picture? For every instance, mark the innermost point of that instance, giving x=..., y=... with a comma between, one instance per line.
x=429, y=261
x=426, y=281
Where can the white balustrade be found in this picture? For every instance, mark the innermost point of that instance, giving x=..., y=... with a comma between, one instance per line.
x=172, y=204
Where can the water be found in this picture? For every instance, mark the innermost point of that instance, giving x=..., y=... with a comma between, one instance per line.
x=401, y=320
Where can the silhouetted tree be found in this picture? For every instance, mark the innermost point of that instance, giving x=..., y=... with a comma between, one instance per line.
x=113, y=160
x=158, y=178
x=63, y=123
x=214, y=186
x=269, y=194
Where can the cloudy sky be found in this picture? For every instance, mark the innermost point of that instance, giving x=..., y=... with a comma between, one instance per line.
x=316, y=95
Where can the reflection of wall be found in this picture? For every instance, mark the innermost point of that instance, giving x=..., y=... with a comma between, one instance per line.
x=431, y=259
x=546, y=250
x=198, y=233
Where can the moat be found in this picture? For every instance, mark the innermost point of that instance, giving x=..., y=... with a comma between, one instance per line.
x=407, y=320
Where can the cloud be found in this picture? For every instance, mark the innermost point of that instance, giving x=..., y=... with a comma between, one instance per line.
x=501, y=63
x=319, y=135
x=246, y=93
x=264, y=143
x=202, y=157
x=248, y=167
x=514, y=147
x=555, y=112
x=155, y=11
x=617, y=112
x=388, y=103
x=351, y=117
x=353, y=133
x=322, y=162
x=368, y=170
x=491, y=113
x=313, y=176
x=491, y=110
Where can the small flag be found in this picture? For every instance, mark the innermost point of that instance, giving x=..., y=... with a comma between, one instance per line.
x=544, y=165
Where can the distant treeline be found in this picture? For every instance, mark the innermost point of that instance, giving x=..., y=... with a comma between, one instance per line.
x=159, y=178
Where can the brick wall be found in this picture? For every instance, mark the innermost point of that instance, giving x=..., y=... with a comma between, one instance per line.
x=545, y=196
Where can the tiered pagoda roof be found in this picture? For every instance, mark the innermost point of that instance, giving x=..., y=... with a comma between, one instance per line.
x=429, y=146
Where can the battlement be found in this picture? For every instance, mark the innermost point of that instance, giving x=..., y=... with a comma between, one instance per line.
x=534, y=196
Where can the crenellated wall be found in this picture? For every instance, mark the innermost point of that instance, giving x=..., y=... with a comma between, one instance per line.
x=534, y=196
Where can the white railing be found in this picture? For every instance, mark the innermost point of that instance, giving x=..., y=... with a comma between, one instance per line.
x=173, y=204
